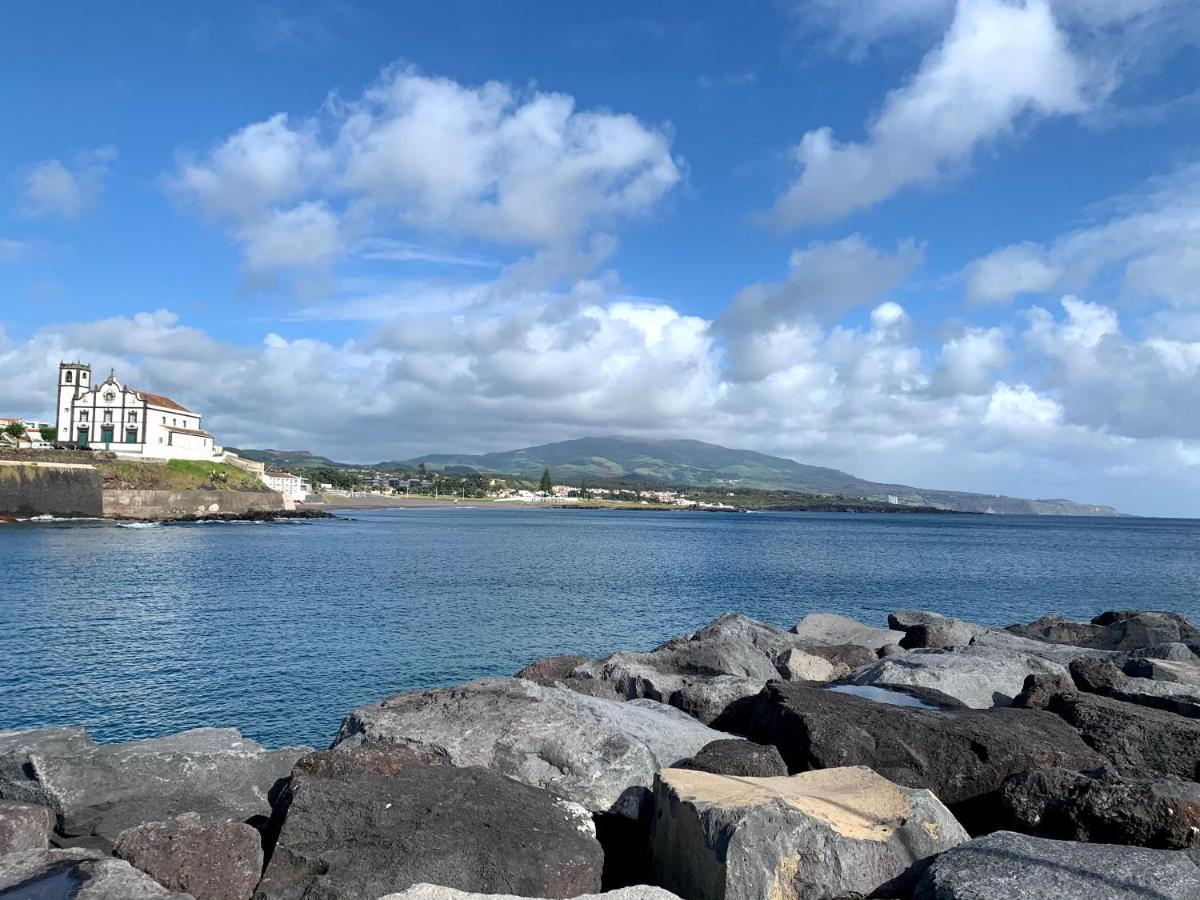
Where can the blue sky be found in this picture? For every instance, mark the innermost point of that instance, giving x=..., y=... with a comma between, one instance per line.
x=954, y=244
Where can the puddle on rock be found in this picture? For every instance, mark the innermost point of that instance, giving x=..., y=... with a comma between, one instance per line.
x=883, y=695
x=60, y=883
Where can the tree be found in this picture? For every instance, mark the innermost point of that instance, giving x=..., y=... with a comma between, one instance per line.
x=48, y=434
x=15, y=429
x=547, y=486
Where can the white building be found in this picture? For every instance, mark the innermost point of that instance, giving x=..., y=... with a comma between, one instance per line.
x=129, y=422
x=291, y=486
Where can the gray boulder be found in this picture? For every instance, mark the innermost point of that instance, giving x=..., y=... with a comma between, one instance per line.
x=830, y=628
x=1159, y=669
x=1103, y=677
x=350, y=832
x=100, y=790
x=962, y=755
x=818, y=835
x=24, y=826
x=927, y=629
x=1175, y=651
x=1136, y=739
x=435, y=892
x=737, y=757
x=1119, y=630
x=958, y=632
x=1104, y=807
x=980, y=677
x=600, y=753
x=208, y=860
x=79, y=874
x=1008, y=866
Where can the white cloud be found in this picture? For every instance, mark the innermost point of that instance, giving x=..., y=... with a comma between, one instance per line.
x=53, y=188
x=1018, y=269
x=997, y=63
x=14, y=251
x=415, y=152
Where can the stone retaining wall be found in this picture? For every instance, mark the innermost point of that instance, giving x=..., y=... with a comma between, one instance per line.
x=49, y=489
x=132, y=504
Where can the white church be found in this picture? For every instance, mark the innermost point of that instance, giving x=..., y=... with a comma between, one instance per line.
x=129, y=422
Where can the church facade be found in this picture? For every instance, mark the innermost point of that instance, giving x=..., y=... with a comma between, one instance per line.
x=129, y=422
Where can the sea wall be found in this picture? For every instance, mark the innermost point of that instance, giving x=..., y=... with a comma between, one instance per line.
x=49, y=489
x=120, y=503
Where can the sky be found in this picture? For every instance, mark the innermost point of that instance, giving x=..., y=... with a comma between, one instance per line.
x=949, y=244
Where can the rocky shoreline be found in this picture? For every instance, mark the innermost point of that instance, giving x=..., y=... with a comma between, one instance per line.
x=934, y=759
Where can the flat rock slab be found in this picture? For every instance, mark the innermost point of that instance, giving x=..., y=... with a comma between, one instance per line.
x=1009, y=866
x=209, y=860
x=436, y=892
x=1104, y=807
x=1117, y=630
x=813, y=836
x=100, y=790
x=829, y=628
x=962, y=755
x=979, y=677
x=366, y=834
x=24, y=826
x=600, y=753
x=79, y=874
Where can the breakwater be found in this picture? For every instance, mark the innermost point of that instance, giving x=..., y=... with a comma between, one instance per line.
x=932, y=759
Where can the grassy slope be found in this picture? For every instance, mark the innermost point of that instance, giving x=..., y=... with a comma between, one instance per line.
x=178, y=475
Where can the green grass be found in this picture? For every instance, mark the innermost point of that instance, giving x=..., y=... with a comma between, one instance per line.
x=178, y=475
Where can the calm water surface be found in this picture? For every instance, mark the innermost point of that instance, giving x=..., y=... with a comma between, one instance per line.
x=280, y=629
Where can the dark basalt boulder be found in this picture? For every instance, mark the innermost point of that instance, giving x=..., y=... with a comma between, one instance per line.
x=208, y=860
x=1136, y=739
x=735, y=757
x=1118, y=630
x=1038, y=690
x=550, y=671
x=1176, y=669
x=962, y=755
x=1104, y=677
x=1104, y=807
x=100, y=790
x=1009, y=866
x=351, y=833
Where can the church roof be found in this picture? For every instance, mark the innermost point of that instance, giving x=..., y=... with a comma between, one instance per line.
x=160, y=400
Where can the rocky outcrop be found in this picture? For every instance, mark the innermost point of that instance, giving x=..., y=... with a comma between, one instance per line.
x=600, y=753
x=24, y=826
x=828, y=628
x=1104, y=677
x=744, y=759
x=963, y=756
x=208, y=860
x=818, y=835
x=1119, y=630
x=979, y=677
x=1135, y=739
x=1177, y=669
x=100, y=790
x=1104, y=807
x=361, y=829
x=79, y=874
x=435, y=892
x=1008, y=866
x=951, y=632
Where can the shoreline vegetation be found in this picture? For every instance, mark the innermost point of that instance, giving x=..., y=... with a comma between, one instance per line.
x=934, y=759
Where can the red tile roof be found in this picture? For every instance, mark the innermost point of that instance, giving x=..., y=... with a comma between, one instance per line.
x=160, y=400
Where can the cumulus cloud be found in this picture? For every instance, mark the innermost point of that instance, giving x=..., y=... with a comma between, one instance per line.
x=997, y=63
x=56, y=189
x=523, y=168
x=1151, y=240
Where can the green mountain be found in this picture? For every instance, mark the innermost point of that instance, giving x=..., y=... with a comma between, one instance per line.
x=694, y=463
x=288, y=460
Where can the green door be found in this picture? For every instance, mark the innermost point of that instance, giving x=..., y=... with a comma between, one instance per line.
x=83, y=437
x=106, y=434
x=131, y=435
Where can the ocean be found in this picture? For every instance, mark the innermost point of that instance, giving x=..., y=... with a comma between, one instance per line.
x=280, y=629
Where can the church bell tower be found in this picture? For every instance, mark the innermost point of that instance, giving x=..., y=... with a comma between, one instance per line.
x=73, y=379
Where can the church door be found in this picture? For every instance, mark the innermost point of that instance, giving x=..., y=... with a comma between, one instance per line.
x=106, y=435
x=83, y=437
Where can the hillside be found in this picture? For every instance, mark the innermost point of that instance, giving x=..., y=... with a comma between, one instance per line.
x=289, y=460
x=695, y=463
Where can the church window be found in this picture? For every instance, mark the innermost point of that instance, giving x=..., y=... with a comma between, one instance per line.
x=108, y=415
x=70, y=377
x=132, y=416
x=83, y=416
x=109, y=396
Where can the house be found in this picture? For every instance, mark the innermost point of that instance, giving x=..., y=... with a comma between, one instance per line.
x=127, y=421
x=30, y=437
x=291, y=486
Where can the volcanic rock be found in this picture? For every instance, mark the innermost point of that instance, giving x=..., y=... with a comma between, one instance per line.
x=1119, y=630
x=208, y=860
x=1105, y=678
x=600, y=753
x=25, y=826
x=1009, y=866
x=962, y=755
x=1104, y=807
x=435, y=892
x=350, y=834
x=817, y=835
x=829, y=628
x=79, y=874
x=100, y=790
x=737, y=757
